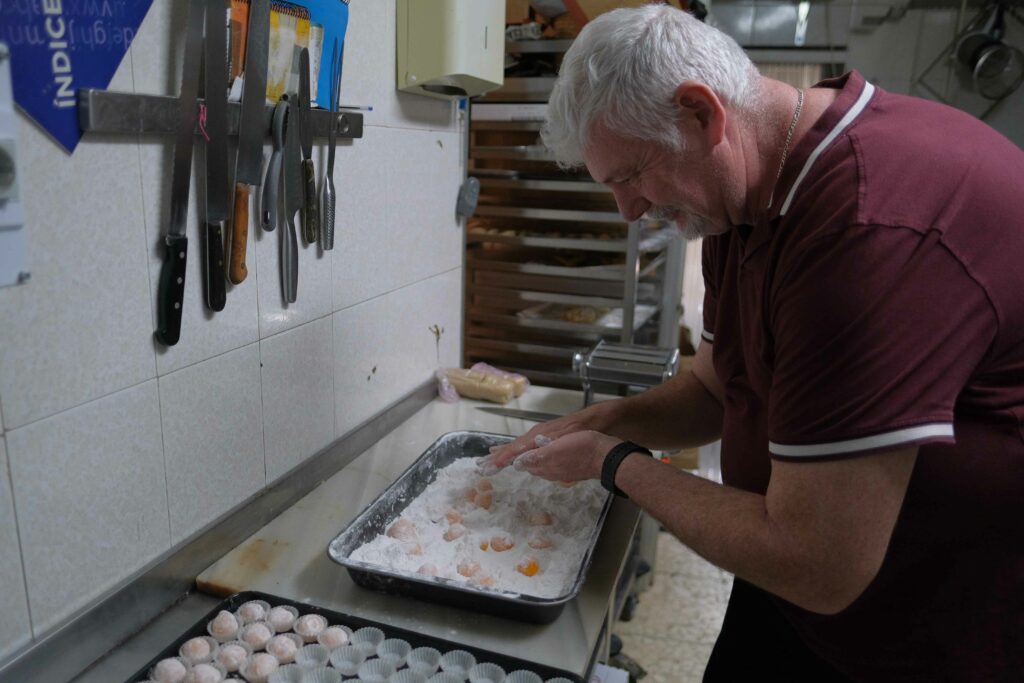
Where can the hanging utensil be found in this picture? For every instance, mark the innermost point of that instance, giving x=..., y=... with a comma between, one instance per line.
x=269, y=204
x=251, y=131
x=216, y=95
x=171, y=288
x=293, y=199
x=327, y=194
x=310, y=214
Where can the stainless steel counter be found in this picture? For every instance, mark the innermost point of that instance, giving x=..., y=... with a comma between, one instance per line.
x=288, y=557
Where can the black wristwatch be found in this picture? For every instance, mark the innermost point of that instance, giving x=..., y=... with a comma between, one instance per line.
x=613, y=460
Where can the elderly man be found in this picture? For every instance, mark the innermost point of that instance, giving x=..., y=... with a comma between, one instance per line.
x=862, y=356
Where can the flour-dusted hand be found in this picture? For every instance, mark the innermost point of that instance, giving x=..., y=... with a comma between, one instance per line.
x=596, y=417
x=573, y=457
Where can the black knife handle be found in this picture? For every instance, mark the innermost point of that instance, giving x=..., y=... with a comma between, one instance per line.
x=310, y=214
x=171, y=290
x=215, y=294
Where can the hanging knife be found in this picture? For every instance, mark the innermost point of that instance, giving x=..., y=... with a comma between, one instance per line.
x=269, y=206
x=530, y=415
x=171, y=288
x=327, y=186
x=293, y=200
x=310, y=217
x=216, y=93
x=251, y=132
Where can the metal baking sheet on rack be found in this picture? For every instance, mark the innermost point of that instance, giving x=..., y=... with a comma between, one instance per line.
x=373, y=521
x=353, y=624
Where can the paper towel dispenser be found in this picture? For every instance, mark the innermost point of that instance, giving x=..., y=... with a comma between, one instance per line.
x=450, y=48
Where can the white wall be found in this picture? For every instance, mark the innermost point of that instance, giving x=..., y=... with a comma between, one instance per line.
x=113, y=449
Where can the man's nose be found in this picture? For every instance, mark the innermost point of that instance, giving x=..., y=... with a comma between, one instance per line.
x=631, y=205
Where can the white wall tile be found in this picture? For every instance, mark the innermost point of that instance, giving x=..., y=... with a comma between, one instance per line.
x=213, y=438
x=368, y=73
x=365, y=372
x=414, y=310
x=90, y=494
x=298, y=394
x=156, y=53
x=79, y=329
x=422, y=186
x=15, y=629
x=315, y=292
x=364, y=247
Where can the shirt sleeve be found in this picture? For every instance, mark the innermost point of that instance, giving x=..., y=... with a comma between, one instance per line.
x=875, y=331
x=710, y=250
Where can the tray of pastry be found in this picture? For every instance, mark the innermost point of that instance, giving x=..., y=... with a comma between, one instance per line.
x=262, y=638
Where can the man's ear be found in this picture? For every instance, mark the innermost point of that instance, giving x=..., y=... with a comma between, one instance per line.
x=701, y=113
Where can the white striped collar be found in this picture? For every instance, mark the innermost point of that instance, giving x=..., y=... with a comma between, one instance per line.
x=851, y=114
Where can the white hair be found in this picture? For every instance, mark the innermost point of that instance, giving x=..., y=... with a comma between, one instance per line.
x=624, y=68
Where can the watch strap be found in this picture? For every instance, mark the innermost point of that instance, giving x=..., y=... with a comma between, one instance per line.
x=613, y=460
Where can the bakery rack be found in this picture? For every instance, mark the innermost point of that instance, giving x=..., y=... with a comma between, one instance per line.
x=551, y=266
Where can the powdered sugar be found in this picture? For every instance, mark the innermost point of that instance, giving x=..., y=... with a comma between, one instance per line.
x=543, y=521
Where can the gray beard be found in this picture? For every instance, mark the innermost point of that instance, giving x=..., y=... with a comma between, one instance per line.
x=695, y=228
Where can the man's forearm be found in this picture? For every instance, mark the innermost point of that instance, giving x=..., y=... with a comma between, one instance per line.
x=681, y=413
x=729, y=527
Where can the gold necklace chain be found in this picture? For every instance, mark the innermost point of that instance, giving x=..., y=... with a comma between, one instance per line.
x=789, y=139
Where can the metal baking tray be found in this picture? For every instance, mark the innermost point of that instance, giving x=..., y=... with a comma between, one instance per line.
x=415, y=639
x=373, y=520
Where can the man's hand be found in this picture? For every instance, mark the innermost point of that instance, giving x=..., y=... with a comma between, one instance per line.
x=573, y=457
x=591, y=418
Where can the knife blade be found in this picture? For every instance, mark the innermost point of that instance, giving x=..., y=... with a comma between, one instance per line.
x=310, y=217
x=531, y=415
x=171, y=287
x=327, y=194
x=250, y=132
x=293, y=198
x=216, y=94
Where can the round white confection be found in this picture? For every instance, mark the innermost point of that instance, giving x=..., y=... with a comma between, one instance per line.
x=251, y=611
x=333, y=637
x=232, y=656
x=169, y=671
x=310, y=625
x=204, y=673
x=281, y=619
x=196, y=649
x=256, y=635
x=283, y=648
x=224, y=625
x=262, y=665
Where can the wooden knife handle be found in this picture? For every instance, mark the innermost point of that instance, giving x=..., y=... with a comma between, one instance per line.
x=239, y=235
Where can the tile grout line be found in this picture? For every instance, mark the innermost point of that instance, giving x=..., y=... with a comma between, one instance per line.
x=259, y=353
x=17, y=532
x=163, y=451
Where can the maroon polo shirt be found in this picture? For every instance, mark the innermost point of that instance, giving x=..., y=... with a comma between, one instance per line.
x=880, y=305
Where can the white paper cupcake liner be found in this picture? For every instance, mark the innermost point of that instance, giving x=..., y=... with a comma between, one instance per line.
x=486, y=673
x=322, y=674
x=375, y=671
x=407, y=676
x=424, y=660
x=523, y=676
x=291, y=673
x=457, y=662
x=247, y=612
x=248, y=669
x=224, y=637
x=313, y=656
x=394, y=651
x=367, y=639
x=153, y=673
x=206, y=672
x=208, y=656
x=227, y=648
x=281, y=623
x=347, y=659
x=330, y=635
x=309, y=626
x=282, y=657
x=251, y=630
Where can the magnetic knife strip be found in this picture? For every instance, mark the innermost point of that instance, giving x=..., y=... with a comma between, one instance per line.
x=105, y=111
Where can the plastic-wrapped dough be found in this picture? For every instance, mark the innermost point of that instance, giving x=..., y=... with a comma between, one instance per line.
x=482, y=385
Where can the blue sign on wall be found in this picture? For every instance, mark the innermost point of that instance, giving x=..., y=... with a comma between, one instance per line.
x=59, y=46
